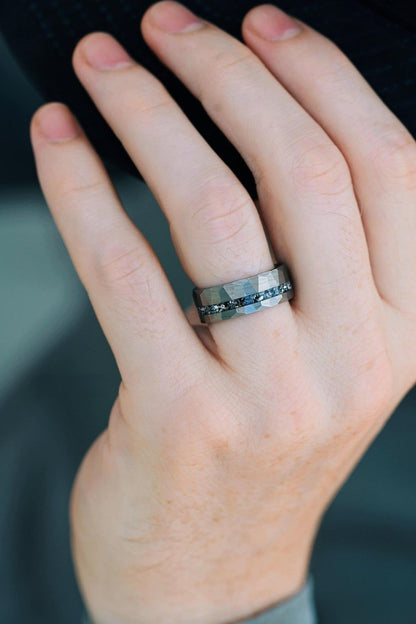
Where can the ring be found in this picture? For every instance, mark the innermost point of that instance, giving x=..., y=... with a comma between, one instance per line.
x=243, y=296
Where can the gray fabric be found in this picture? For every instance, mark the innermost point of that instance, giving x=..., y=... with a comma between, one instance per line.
x=299, y=609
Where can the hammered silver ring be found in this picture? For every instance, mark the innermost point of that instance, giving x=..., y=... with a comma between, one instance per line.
x=243, y=296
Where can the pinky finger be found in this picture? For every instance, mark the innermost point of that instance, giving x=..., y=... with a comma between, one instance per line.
x=139, y=313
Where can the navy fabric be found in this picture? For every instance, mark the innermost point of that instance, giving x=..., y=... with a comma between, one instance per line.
x=378, y=36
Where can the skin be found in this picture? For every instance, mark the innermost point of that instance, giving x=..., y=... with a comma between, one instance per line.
x=200, y=501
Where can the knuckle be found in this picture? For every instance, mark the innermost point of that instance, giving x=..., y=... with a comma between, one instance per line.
x=226, y=62
x=395, y=158
x=73, y=190
x=143, y=96
x=333, y=69
x=320, y=168
x=242, y=68
x=223, y=212
x=131, y=281
x=125, y=269
x=151, y=107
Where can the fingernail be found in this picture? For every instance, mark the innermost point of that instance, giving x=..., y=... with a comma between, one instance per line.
x=272, y=24
x=103, y=52
x=56, y=123
x=173, y=17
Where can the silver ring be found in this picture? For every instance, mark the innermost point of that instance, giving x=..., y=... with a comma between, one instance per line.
x=244, y=296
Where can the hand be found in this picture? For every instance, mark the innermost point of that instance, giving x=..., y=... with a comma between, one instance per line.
x=201, y=499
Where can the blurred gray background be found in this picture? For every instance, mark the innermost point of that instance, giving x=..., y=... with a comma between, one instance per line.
x=58, y=382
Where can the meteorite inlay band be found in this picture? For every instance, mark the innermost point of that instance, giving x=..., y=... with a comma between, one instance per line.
x=244, y=296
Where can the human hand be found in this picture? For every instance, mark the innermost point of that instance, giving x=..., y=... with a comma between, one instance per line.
x=201, y=499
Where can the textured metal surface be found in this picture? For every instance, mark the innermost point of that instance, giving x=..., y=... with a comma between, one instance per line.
x=243, y=296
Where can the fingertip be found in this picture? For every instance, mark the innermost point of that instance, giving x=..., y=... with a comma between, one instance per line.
x=54, y=122
x=78, y=52
x=248, y=17
x=156, y=7
x=270, y=23
x=101, y=51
